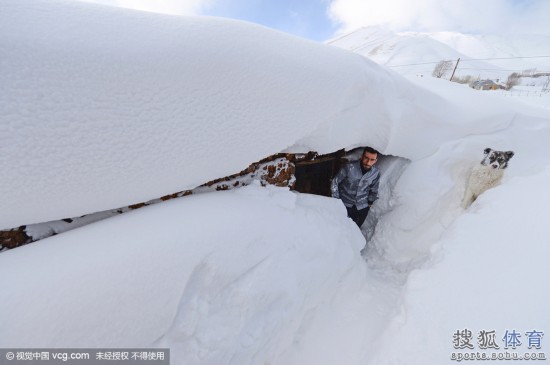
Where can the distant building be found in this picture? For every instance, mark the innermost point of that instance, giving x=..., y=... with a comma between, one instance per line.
x=486, y=85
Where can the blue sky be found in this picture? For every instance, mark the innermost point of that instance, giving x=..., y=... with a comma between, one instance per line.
x=305, y=18
x=320, y=20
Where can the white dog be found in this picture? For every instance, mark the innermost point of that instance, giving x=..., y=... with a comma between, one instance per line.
x=486, y=175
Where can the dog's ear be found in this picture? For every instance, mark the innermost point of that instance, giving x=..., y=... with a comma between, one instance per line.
x=487, y=150
x=509, y=154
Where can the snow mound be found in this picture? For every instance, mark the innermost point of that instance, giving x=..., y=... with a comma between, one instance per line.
x=106, y=107
x=240, y=289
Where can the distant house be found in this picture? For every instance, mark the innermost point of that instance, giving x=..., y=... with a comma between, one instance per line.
x=486, y=85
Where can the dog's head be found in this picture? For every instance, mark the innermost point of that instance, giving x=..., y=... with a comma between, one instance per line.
x=496, y=159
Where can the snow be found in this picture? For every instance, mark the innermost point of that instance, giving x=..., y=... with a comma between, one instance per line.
x=487, y=274
x=254, y=275
x=147, y=105
x=482, y=56
x=534, y=91
x=193, y=280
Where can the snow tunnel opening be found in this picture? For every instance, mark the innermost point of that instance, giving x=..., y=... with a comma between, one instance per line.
x=314, y=174
x=309, y=173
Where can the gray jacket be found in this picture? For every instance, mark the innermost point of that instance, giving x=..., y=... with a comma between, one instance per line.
x=353, y=187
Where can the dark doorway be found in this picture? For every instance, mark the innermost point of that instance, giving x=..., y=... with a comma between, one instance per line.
x=313, y=176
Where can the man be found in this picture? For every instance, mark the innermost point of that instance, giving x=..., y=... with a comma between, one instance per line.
x=356, y=184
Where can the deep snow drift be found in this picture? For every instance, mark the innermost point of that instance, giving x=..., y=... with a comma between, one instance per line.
x=146, y=105
x=254, y=275
x=107, y=107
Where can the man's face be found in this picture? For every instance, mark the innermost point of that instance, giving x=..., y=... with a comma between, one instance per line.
x=368, y=159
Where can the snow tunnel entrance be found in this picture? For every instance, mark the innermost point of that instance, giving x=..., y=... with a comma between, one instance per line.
x=314, y=173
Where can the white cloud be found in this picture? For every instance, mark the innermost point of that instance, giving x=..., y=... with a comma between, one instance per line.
x=469, y=16
x=177, y=7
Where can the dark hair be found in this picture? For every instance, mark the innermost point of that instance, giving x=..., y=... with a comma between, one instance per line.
x=369, y=150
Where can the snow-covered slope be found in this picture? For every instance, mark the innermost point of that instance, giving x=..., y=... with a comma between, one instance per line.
x=415, y=53
x=486, y=273
x=266, y=279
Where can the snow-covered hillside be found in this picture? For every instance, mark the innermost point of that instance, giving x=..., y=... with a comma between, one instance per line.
x=483, y=56
x=98, y=118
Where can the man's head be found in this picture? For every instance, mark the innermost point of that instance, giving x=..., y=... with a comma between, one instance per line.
x=369, y=157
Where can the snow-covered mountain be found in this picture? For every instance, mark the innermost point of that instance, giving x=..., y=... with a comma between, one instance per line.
x=483, y=56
